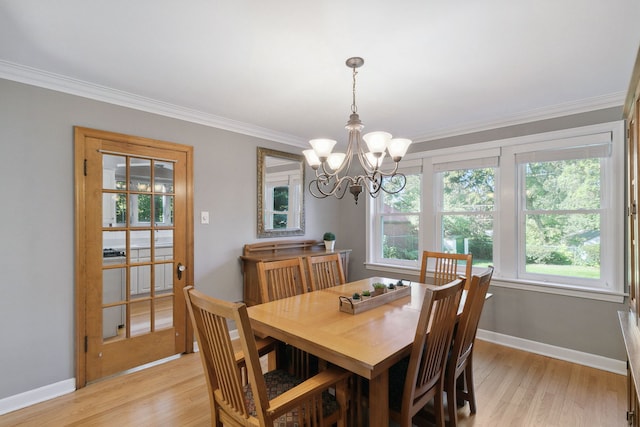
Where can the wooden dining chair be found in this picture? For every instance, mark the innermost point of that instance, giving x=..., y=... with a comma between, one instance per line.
x=325, y=271
x=273, y=397
x=283, y=279
x=416, y=380
x=445, y=267
x=461, y=356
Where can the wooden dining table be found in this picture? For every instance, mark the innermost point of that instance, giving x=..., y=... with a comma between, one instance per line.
x=366, y=343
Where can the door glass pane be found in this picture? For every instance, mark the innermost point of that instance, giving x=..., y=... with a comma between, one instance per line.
x=113, y=172
x=114, y=209
x=163, y=174
x=114, y=285
x=139, y=174
x=167, y=208
x=140, y=210
x=113, y=321
x=113, y=244
x=163, y=245
x=159, y=277
x=140, y=239
x=144, y=277
x=120, y=200
x=164, y=312
x=140, y=317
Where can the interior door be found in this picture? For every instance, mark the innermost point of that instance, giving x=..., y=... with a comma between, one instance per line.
x=134, y=251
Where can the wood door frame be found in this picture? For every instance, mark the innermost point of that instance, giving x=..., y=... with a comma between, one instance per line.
x=80, y=134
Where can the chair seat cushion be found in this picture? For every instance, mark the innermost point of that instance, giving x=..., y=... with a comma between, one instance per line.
x=278, y=382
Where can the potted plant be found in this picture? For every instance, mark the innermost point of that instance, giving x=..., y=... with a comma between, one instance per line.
x=329, y=241
x=379, y=289
x=366, y=294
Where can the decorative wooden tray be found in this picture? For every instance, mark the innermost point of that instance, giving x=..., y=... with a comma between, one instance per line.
x=349, y=305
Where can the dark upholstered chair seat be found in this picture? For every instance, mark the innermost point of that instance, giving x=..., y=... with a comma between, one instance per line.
x=278, y=382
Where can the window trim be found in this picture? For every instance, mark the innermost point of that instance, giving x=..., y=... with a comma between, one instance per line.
x=505, y=245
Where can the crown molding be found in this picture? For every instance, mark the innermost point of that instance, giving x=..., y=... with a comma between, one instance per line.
x=566, y=109
x=36, y=77
x=60, y=83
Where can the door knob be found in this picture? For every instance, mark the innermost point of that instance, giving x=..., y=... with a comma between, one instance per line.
x=181, y=268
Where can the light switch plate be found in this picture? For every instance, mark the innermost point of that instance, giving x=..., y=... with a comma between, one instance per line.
x=204, y=217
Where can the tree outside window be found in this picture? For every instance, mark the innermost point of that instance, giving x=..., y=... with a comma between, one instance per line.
x=562, y=217
x=467, y=209
x=400, y=221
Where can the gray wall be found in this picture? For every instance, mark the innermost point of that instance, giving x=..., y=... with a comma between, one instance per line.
x=36, y=225
x=36, y=222
x=576, y=323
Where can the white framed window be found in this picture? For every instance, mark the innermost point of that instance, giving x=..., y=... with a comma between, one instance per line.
x=395, y=222
x=563, y=205
x=546, y=210
x=466, y=207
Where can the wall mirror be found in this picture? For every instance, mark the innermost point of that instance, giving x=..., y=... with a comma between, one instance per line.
x=280, y=193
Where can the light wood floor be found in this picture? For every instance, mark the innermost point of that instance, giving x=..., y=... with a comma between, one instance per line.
x=513, y=388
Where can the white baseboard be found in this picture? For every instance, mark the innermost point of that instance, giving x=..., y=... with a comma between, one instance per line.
x=573, y=356
x=31, y=397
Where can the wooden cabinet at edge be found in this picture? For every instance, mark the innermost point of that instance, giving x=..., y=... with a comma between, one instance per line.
x=278, y=250
x=629, y=319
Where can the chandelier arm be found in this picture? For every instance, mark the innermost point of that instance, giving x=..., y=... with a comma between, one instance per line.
x=391, y=173
x=399, y=176
x=364, y=161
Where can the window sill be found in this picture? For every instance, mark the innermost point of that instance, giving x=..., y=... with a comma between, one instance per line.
x=523, y=285
x=559, y=289
x=397, y=269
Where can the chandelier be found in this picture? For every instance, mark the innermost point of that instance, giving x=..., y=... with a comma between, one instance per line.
x=332, y=169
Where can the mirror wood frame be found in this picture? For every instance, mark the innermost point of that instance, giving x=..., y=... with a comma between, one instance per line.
x=263, y=153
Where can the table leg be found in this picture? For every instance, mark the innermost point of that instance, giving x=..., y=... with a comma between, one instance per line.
x=379, y=400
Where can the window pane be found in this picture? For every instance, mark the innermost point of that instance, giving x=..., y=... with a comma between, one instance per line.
x=563, y=185
x=407, y=200
x=467, y=190
x=400, y=237
x=463, y=234
x=563, y=245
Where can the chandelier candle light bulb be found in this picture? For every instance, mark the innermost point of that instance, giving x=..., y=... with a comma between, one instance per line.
x=329, y=166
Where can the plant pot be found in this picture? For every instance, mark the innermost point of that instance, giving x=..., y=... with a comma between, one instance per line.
x=329, y=245
x=377, y=292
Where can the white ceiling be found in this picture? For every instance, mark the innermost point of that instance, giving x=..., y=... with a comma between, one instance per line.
x=276, y=68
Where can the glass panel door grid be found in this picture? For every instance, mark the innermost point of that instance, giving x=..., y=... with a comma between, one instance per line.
x=137, y=242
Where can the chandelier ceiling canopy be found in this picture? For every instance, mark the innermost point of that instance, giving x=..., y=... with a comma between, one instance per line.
x=332, y=168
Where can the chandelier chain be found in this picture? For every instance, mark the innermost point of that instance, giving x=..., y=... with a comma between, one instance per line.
x=354, y=107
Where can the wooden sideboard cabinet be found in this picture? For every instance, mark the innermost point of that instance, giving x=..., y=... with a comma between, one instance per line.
x=629, y=319
x=278, y=250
